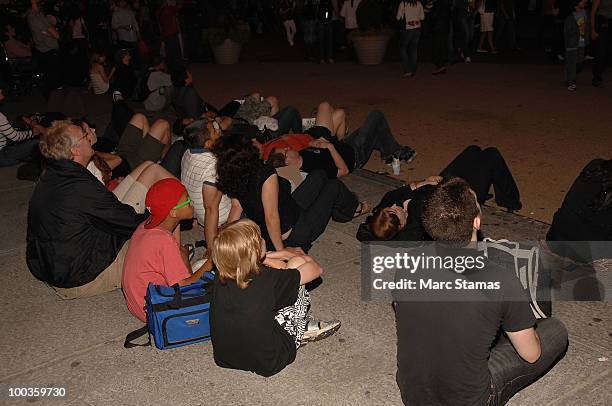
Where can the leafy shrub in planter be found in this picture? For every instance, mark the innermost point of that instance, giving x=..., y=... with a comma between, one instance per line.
x=369, y=15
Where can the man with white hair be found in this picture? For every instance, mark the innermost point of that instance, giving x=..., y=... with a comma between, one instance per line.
x=77, y=228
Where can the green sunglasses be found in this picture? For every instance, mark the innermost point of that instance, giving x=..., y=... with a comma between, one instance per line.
x=185, y=203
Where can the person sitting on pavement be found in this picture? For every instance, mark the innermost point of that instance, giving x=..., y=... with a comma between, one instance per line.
x=154, y=254
x=471, y=347
x=199, y=175
x=398, y=215
x=259, y=315
x=17, y=145
x=338, y=155
x=77, y=229
x=287, y=219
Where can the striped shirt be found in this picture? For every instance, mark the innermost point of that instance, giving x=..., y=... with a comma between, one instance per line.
x=199, y=168
x=7, y=132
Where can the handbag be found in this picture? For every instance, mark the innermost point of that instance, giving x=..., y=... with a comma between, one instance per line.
x=176, y=315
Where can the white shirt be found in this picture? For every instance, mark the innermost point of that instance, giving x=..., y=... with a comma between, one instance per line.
x=349, y=12
x=199, y=169
x=412, y=13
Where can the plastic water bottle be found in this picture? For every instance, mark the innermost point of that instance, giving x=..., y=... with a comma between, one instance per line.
x=396, y=166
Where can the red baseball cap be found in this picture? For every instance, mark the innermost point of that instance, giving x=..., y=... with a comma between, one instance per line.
x=161, y=198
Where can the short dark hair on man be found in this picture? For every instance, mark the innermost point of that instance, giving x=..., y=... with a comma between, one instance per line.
x=448, y=214
x=196, y=134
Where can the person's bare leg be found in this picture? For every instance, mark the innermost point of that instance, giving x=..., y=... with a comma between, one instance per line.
x=151, y=174
x=339, y=123
x=490, y=39
x=324, y=116
x=140, y=169
x=274, y=103
x=482, y=38
x=140, y=121
x=160, y=130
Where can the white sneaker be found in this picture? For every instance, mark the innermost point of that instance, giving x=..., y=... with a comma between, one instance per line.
x=318, y=330
x=117, y=96
x=468, y=59
x=308, y=123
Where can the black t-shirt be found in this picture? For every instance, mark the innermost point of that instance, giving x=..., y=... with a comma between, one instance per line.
x=443, y=347
x=244, y=333
x=317, y=158
x=252, y=204
x=413, y=231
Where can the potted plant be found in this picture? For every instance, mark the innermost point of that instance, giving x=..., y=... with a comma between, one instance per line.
x=226, y=39
x=371, y=38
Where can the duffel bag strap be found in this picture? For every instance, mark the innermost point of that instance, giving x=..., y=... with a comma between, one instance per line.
x=128, y=343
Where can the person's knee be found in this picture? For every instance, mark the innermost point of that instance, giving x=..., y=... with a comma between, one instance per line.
x=553, y=335
x=323, y=106
x=139, y=120
x=272, y=100
x=375, y=114
x=473, y=148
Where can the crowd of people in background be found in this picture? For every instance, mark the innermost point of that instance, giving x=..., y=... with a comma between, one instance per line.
x=261, y=179
x=92, y=34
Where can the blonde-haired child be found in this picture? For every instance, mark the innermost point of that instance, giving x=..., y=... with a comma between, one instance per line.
x=259, y=313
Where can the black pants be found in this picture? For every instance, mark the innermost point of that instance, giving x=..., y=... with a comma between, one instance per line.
x=320, y=199
x=326, y=40
x=510, y=373
x=49, y=63
x=602, y=46
x=440, y=44
x=483, y=168
x=172, y=160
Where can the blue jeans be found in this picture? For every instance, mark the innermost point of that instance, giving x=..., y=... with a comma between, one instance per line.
x=19, y=152
x=375, y=133
x=409, y=49
x=510, y=374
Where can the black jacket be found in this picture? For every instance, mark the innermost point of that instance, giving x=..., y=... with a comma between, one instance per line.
x=76, y=226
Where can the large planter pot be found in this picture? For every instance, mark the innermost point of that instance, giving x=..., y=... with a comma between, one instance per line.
x=227, y=53
x=370, y=49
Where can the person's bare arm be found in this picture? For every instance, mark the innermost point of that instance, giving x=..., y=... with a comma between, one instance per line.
x=235, y=211
x=206, y=267
x=212, y=198
x=309, y=268
x=430, y=180
x=52, y=32
x=526, y=343
x=594, y=8
x=338, y=161
x=269, y=198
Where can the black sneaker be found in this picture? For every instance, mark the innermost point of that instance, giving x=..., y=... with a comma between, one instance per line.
x=598, y=83
x=405, y=154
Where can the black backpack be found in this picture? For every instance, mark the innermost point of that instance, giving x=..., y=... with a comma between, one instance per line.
x=585, y=214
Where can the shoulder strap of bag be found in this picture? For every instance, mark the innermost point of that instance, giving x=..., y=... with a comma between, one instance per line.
x=128, y=343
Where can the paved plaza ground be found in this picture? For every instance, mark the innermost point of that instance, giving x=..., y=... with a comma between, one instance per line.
x=546, y=135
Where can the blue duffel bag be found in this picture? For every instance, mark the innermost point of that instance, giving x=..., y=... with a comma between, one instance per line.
x=176, y=315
